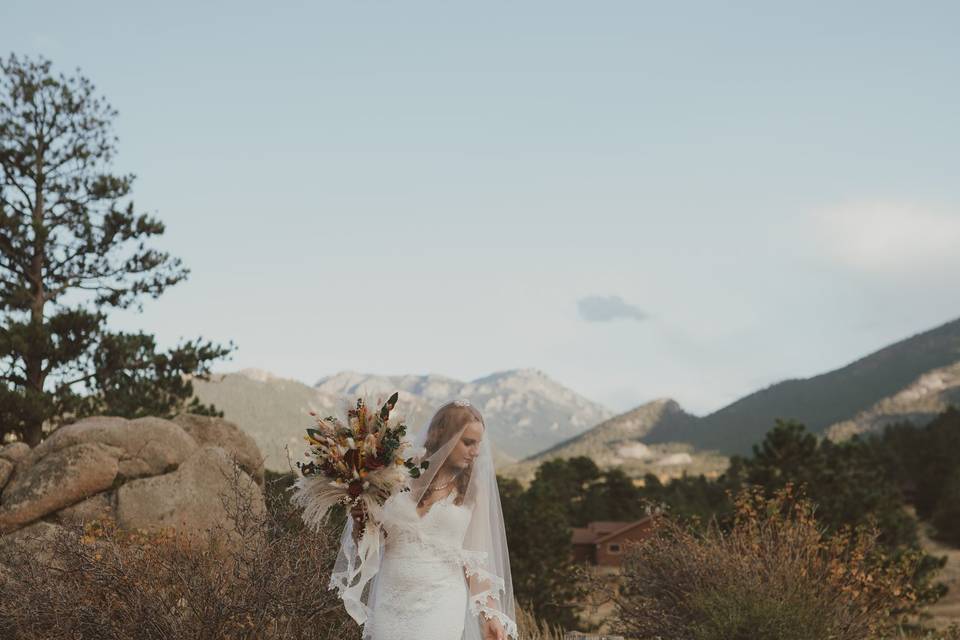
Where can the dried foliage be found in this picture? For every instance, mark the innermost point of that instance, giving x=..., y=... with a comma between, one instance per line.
x=98, y=582
x=774, y=576
x=532, y=628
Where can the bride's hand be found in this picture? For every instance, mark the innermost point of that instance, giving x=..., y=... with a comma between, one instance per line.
x=493, y=630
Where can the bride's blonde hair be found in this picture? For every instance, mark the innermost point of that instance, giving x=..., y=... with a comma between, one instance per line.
x=447, y=422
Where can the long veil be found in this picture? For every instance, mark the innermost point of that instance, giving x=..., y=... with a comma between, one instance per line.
x=483, y=555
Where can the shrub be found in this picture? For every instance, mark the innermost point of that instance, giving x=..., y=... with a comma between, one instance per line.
x=773, y=576
x=98, y=582
x=531, y=628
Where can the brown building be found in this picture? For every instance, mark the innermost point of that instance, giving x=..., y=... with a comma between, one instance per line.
x=603, y=542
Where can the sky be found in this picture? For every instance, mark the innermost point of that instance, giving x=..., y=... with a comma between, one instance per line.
x=691, y=200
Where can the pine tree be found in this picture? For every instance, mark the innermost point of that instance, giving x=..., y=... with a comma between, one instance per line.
x=71, y=248
x=541, y=556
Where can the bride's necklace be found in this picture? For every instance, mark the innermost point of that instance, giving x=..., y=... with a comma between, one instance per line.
x=444, y=485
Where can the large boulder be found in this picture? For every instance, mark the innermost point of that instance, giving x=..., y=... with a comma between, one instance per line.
x=6, y=470
x=148, y=446
x=14, y=451
x=148, y=473
x=55, y=481
x=223, y=433
x=96, y=507
x=188, y=499
x=11, y=455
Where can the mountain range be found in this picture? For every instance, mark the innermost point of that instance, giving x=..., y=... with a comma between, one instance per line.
x=524, y=409
x=533, y=418
x=914, y=378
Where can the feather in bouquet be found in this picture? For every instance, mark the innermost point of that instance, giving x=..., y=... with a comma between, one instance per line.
x=359, y=463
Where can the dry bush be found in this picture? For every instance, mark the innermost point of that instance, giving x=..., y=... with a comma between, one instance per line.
x=98, y=582
x=950, y=633
x=773, y=576
x=530, y=628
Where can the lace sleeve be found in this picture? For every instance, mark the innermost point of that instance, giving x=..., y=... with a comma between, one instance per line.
x=486, y=591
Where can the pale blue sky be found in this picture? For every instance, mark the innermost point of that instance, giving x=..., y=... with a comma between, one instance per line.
x=411, y=187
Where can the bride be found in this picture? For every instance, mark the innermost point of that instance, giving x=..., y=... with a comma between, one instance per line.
x=437, y=566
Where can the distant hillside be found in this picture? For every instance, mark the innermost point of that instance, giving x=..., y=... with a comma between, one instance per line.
x=823, y=400
x=523, y=408
x=616, y=442
x=272, y=410
x=600, y=441
x=919, y=403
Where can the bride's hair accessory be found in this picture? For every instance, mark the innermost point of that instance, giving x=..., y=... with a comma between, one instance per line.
x=462, y=403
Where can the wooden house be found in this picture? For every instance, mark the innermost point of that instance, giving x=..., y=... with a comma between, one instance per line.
x=603, y=542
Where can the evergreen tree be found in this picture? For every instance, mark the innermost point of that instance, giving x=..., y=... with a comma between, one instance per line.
x=72, y=247
x=689, y=497
x=926, y=465
x=611, y=497
x=787, y=452
x=565, y=481
x=849, y=481
x=541, y=556
x=930, y=455
x=946, y=517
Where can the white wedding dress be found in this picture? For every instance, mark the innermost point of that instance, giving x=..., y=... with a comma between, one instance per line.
x=441, y=576
x=420, y=591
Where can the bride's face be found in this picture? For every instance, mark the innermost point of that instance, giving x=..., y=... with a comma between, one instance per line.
x=467, y=448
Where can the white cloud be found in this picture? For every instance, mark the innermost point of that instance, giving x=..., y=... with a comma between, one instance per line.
x=889, y=237
x=607, y=308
